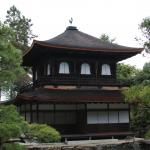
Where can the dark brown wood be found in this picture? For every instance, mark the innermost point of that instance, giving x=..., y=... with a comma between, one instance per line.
x=70, y=96
x=74, y=88
x=97, y=135
x=74, y=77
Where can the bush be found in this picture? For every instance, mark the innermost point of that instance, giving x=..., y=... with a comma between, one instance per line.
x=147, y=135
x=14, y=147
x=12, y=125
x=43, y=133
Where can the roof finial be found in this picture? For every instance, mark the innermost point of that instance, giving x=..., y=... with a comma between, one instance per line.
x=71, y=20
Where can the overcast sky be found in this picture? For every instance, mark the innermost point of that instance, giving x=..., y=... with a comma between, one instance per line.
x=117, y=18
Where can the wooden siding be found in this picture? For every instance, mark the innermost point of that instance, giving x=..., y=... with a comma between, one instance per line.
x=79, y=126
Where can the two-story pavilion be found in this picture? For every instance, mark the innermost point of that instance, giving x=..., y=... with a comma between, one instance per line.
x=74, y=85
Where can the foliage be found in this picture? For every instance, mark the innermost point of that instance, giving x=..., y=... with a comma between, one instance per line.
x=140, y=119
x=147, y=135
x=126, y=73
x=21, y=27
x=106, y=38
x=15, y=146
x=145, y=28
x=139, y=95
x=22, y=35
x=12, y=125
x=10, y=58
x=144, y=76
x=43, y=133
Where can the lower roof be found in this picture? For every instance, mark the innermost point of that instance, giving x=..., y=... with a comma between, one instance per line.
x=70, y=96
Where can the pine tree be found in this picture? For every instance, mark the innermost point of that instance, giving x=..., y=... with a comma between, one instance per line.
x=10, y=58
x=21, y=27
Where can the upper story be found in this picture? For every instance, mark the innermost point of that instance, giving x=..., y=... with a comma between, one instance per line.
x=75, y=58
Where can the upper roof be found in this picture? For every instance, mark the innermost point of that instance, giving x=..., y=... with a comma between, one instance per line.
x=74, y=40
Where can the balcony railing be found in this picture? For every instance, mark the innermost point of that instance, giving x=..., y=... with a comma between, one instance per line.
x=78, y=81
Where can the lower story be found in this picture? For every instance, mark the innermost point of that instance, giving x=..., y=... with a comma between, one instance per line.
x=79, y=118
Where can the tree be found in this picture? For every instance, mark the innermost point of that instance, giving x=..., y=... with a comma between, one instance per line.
x=10, y=58
x=21, y=27
x=140, y=91
x=145, y=28
x=143, y=77
x=126, y=73
x=139, y=96
x=12, y=125
x=106, y=38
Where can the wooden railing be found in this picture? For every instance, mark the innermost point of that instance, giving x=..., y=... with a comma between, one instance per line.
x=78, y=81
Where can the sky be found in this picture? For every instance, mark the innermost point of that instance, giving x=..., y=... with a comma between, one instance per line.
x=119, y=19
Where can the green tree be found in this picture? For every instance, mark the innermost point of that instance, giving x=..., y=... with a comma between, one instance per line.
x=145, y=28
x=126, y=73
x=139, y=96
x=140, y=91
x=106, y=38
x=143, y=77
x=21, y=27
x=10, y=58
x=12, y=125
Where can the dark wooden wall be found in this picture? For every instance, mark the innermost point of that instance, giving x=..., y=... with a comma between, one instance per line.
x=74, y=77
x=80, y=126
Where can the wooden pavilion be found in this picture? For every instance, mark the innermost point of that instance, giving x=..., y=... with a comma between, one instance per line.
x=74, y=85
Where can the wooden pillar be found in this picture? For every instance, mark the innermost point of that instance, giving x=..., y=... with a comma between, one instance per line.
x=108, y=112
x=52, y=68
x=75, y=68
x=85, y=114
x=96, y=69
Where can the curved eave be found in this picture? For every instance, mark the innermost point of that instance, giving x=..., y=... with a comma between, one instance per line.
x=122, y=50
x=39, y=48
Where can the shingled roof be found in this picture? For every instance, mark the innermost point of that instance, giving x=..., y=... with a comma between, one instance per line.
x=70, y=96
x=74, y=40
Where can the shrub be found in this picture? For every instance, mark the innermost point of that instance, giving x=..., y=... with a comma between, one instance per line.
x=43, y=133
x=12, y=125
x=147, y=134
